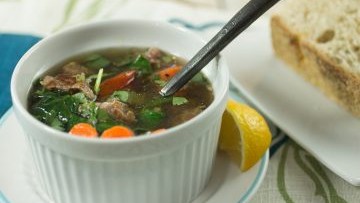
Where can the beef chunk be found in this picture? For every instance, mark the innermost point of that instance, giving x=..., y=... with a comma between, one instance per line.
x=67, y=83
x=154, y=55
x=118, y=110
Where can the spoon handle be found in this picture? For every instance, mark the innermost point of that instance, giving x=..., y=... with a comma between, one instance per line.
x=238, y=23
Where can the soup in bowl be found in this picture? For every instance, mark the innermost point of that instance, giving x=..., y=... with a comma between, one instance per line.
x=171, y=165
x=114, y=93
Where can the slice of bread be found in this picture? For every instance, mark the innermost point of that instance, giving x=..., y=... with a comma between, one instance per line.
x=321, y=41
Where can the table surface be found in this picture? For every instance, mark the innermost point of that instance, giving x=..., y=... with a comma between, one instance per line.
x=286, y=179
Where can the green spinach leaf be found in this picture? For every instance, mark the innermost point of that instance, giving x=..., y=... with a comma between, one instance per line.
x=121, y=95
x=96, y=61
x=158, y=101
x=142, y=65
x=58, y=109
x=105, y=121
x=151, y=118
x=176, y=101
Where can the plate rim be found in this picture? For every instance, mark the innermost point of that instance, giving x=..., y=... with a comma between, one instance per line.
x=255, y=185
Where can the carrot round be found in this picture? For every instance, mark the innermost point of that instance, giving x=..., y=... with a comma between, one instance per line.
x=117, y=132
x=107, y=87
x=168, y=73
x=83, y=130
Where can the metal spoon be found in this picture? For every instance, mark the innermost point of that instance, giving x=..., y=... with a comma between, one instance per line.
x=238, y=23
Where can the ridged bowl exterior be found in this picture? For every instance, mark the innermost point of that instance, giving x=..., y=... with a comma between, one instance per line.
x=175, y=176
x=170, y=167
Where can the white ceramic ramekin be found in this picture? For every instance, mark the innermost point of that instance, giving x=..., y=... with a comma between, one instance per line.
x=173, y=166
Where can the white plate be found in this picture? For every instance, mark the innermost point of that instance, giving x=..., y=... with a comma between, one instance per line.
x=325, y=130
x=227, y=183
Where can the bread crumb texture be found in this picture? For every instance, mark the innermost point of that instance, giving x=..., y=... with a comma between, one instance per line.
x=321, y=41
x=333, y=26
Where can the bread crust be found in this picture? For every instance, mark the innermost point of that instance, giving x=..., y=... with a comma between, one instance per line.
x=316, y=67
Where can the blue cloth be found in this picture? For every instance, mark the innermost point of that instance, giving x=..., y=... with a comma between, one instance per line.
x=12, y=47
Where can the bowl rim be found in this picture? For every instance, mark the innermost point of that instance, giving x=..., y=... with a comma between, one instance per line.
x=139, y=138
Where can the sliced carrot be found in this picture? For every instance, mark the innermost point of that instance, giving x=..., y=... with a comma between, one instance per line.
x=158, y=131
x=168, y=73
x=83, y=130
x=117, y=132
x=107, y=87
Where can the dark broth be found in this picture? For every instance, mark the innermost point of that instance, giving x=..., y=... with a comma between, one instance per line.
x=60, y=99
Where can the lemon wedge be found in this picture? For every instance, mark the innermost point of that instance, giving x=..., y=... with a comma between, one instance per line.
x=244, y=134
